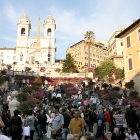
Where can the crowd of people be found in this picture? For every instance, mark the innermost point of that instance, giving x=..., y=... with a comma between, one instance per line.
x=60, y=117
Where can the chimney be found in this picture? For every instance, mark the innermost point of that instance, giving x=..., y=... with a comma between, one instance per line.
x=134, y=20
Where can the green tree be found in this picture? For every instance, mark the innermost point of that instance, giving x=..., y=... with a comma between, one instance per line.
x=105, y=68
x=68, y=64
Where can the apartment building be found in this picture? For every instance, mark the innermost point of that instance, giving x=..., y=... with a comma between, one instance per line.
x=131, y=52
x=115, y=49
x=79, y=51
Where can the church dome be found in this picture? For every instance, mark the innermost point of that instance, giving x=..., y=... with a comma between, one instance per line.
x=49, y=19
x=24, y=19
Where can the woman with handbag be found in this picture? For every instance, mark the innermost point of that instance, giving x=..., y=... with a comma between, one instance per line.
x=30, y=122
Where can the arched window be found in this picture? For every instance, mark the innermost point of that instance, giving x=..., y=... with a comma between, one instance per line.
x=14, y=58
x=1, y=54
x=21, y=57
x=23, y=31
x=33, y=60
x=49, y=32
x=49, y=57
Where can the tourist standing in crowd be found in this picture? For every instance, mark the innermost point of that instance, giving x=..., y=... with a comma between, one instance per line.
x=100, y=129
x=16, y=128
x=57, y=123
x=119, y=117
x=122, y=135
x=108, y=120
x=115, y=134
x=58, y=97
x=54, y=96
x=40, y=124
x=131, y=135
x=30, y=122
x=131, y=118
x=76, y=125
x=108, y=136
x=1, y=103
x=94, y=120
x=23, y=82
x=67, y=120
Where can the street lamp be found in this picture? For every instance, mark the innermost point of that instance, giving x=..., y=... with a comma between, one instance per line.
x=13, y=69
x=38, y=69
x=85, y=71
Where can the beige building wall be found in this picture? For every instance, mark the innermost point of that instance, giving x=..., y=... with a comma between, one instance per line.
x=115, y=49
x=131, y=52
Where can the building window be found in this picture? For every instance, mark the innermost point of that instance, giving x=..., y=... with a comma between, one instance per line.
x=93, y=55
x=21, y=57
x=49, y=32
x=90, y=59
x=49, y=57
x=23, y=32
x=14, y=59
x=121, y=44
x=86, y=58
x=128, y=41
x=33, y=59
x=1, y=54
x=130, y=63
x=139, y=34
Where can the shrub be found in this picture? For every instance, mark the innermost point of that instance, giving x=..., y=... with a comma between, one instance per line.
x=27, y=90
x=2, y=79
x=22, y=97
x=27, y=105
x=3, y=72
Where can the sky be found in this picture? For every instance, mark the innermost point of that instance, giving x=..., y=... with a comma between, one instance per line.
x=73, y=18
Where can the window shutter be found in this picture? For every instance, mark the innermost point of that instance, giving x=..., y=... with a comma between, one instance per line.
x=128, y=41
x=130, y=63
x=139, y=34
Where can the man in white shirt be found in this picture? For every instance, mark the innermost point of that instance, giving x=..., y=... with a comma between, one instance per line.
x=94, y=100
x=54, y=96
x=58, y=97
x=23, y=82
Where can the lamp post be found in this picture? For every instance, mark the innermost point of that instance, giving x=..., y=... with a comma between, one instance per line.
x=38, y=69
x=85, y=71
x=13, y=69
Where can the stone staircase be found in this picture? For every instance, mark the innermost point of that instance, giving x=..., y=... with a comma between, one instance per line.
x=12, y=85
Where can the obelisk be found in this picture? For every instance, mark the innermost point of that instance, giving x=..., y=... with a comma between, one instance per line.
x=38, y=51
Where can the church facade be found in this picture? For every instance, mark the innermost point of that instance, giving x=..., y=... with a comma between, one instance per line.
x=32, y=51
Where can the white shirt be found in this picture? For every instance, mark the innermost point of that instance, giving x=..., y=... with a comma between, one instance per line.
x=53, y=94
x=132, y=137
x=59, y=95
x=23, y=81
x=9, y=98
x=94, y=99
x=27, y=81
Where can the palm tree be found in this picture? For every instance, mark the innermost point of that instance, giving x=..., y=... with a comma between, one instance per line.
x=90, y=37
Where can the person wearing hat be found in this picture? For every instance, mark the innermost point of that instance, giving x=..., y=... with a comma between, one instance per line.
x=87, y=136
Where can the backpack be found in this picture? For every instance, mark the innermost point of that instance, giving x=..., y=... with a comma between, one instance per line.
x=104, y=117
